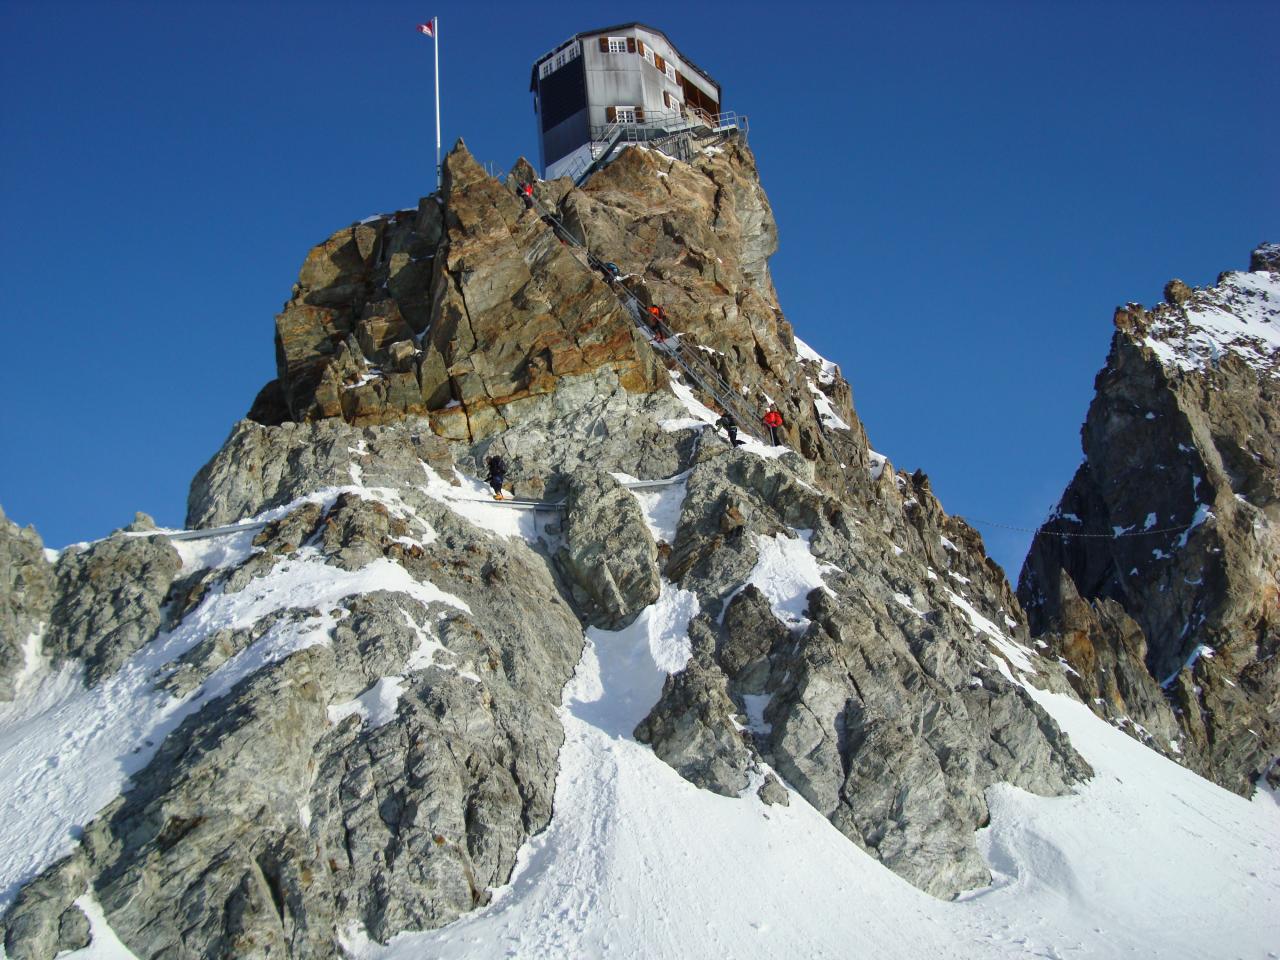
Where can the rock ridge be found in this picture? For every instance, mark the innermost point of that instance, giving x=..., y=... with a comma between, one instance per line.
x=1173, y=633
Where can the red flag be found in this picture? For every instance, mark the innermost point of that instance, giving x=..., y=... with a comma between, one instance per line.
x=428, y=28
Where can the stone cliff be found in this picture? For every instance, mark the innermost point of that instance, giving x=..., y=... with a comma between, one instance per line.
x=1158, y=577
x=355, y=695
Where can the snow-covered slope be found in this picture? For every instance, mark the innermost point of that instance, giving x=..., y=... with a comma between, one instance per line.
x=1241, y=315
x=1146, y=860
x=639, y=863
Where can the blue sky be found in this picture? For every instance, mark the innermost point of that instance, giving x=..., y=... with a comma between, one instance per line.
x=964, y=193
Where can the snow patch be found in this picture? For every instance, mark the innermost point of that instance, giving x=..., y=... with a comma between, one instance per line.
x=377, y=705
x=827, y=370
x=1203, y=513
x=786, y=572
x=755, y=705
x=215, y=553
x=1015, y=653
x=104, y=944
x=661, y=505
x=472, y=500
x=1241, y=316
x=878, y=461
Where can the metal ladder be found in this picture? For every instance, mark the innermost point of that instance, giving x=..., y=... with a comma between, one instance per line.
x=700, y=372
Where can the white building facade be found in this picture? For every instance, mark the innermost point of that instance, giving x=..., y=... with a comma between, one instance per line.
x=629, y=74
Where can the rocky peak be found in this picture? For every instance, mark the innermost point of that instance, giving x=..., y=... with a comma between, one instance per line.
x=1172, y=525
x=468, y=310
x=361, y=687
x=1265, y=257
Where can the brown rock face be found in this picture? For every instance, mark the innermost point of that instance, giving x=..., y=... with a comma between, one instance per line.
x=695, y=238
x=454, y=310
x=469, y=311
x=514, y=311
x=1179, y=504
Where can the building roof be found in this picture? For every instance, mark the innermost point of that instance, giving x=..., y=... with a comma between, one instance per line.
x=616, y=28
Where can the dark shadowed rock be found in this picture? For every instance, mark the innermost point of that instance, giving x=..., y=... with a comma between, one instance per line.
x=26, y=596
x=1179, y=503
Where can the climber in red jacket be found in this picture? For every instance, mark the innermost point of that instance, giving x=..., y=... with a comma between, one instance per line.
x=657, y=320
x=773, y=420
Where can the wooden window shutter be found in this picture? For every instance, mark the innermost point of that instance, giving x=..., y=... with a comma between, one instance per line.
x=604, y=44
x=639, y=114
x=659, y=62
x=666, y=99
x=640, y=47
x=631, y=44
x=611, y=114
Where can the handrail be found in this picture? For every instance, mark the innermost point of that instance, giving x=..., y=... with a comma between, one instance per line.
x=655, y=127
x=683, y=119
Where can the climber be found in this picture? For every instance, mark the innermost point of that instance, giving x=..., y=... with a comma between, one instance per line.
x=773, y=420
x=611, y=272
x=526, y=194
x=497, y=475
x=657, y=320
x=729, y=426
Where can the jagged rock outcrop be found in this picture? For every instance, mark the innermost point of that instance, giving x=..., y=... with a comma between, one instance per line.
x=300, y=803
x=882, y=694
x=1106, y=656
x=609, y=559
x=110, y=600
x=470, y=311
x=467, y=308
x=26, y=595
x=696, y=237
x=1174, y=519
x=692, y=726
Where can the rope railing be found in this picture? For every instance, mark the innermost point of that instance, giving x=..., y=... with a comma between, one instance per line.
x=1063, y=535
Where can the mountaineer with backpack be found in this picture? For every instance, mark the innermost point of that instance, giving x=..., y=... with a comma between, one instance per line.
x=497, y=474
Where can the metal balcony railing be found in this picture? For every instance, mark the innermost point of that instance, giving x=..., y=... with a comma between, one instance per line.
x=666, y=131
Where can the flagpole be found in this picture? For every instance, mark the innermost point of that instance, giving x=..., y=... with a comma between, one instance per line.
x=435, y=29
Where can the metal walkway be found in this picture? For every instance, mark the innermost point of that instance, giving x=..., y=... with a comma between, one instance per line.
x=672, y=133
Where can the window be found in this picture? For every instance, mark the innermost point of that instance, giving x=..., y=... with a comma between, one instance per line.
x=671, y=73
x=551, y=64
x=625, y=114
x=617, y=45
x=648, y=54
